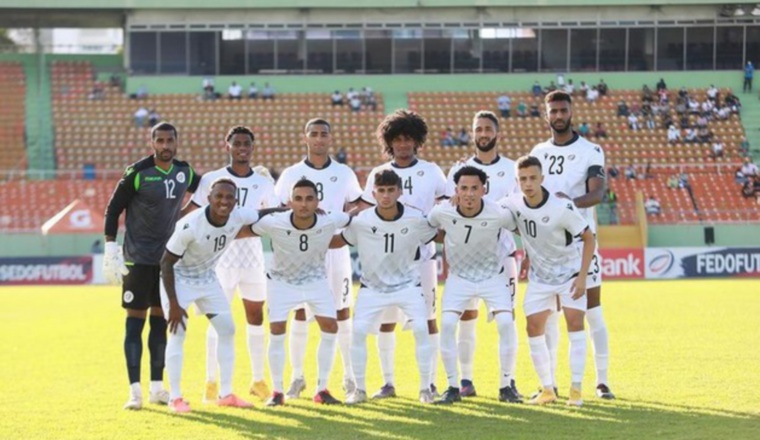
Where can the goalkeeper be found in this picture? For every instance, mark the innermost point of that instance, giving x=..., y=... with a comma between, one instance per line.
x=151, y=191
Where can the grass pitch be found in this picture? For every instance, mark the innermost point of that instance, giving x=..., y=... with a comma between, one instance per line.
x=684, y=364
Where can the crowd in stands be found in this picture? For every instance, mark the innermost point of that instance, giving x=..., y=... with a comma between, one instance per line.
x=356, y=100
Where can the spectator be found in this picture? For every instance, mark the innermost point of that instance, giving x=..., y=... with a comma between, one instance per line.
x=447, y=139
x=704, y=135
x=749, y=169
x=366, y=94
x=674, y=134
x=707, y=108
x=681, y=107
x=569, y=87
x=337, y=98
x=712, y=93
x=661, y=85
x=602, y=88
x=633, y=122
x=611, y=199
x=717, y=148
x=584, y=129
x=667, y=121
x=600, y=131
x=622, y=109
x=723, y=112
x=749, y=72
x=646, y=94
x=536, y=89
x=140, y=116
x=701, y=122
x=464, y=137
x=522, y=109
x=630, y=172
x=613, y=172
x=673, y=182
x=683, y=93
x=744, y=146
x=685, y=121
x=683, y=180
x=355, y=102
x=153, y=117
x=351, y=94
x=504, y=103
x=253, y=91
x=592, y=95
x=733, y=102
x=268, y=92
x=693, y=106
x=371, y=102
x=561, y=81
x=342, y=156
x=534, y=112
x=235, y=91
x=646, y=109
x=635, y=108
x=114, y=80
x=550, y=88
x=748, y=189
x=208, y=85
x=652, y=206
x=98, y=91
x=663, y=94
x=583, y=89
x=650, y=122
x=691, y=136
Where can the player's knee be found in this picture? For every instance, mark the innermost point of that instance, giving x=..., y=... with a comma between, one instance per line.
x=449, y=321
x=344, y=314
x=387, y=328
x=360, y=330
x=432, y=326
x=420, y=327
x=503, y=321
x=535, y=327
x=574, y=320
x=254, y=317
x=224, y=325
x=277, y=328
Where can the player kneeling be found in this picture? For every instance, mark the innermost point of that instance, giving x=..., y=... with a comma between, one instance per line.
x=188, y=276
x=549, y=227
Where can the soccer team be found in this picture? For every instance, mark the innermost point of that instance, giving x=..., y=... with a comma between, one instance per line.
x=201, y=253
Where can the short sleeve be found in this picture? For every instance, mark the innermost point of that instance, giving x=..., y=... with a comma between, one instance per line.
x=354, y=190
x=425, y=231
x=195, y=180
x=200, y=196
x=450, y=185
x=368, y=187
x=434, y=217
x=596, y=163
x=572, y=220
x=180, y=239
x=282, y=188
x=349, y=234
x=270, y=199
x=440, y=186
x=249, y=216
x=263, y=226
x=340, y=219
x=508, y=219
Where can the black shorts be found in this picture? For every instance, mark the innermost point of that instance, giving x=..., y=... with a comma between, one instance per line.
x=140, y=288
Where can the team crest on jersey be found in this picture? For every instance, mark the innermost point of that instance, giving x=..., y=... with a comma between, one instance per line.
x=255, y=187
x=545, y=219
x=404, y=231
x=571, y=157
x=333, y=179
x=374, y=229
x=420, y=173
x=484, y=224
x=181, y=177
x=500, y=174
x=128, y=296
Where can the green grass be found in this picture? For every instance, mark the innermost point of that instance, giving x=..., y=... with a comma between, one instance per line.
x=684, y=364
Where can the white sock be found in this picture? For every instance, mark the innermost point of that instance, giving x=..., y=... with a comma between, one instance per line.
x=174, y=354
x=435, y=348
x=504, y=325
x=277, y=360
x=299, y=335
x=325, y=358
x=256, y=351
x=211, y=362
x=344, y=343
x=422, y=352
x=156, y=386
x=135, y=390
x=386, y=350
x=577, y=355
x=225, y=351
x=539, y=353
x=359, y=356
x=514, y=343
x=552, y=342
x=600, y=339
x=449, y=350
x=466, y=345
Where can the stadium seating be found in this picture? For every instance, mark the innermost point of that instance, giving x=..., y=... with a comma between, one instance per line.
x=12, y=113
x=103, y=132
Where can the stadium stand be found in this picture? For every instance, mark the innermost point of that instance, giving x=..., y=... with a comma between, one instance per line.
x=13, y=93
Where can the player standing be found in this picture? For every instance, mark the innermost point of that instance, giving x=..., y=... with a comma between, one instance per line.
x=151, y=191
x=242, y=265
x=389, y=238
x=188, y=277
x=501, y=183
x=549, y=227
x=476, y=255
x=402, y=134
x=337, y=186
x=574, y=168
x=298, y=275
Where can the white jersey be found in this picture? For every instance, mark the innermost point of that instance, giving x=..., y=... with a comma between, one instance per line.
x=567, y=169
x=299, y=254
x=501, y=183
x=200, y=244
x=389, y=250
x=473, y=247
x=548, y=232
x=336, y=183
x=253, y=191
x=422, y=183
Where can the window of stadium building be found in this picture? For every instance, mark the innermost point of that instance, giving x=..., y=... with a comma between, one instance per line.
x=442, y=50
